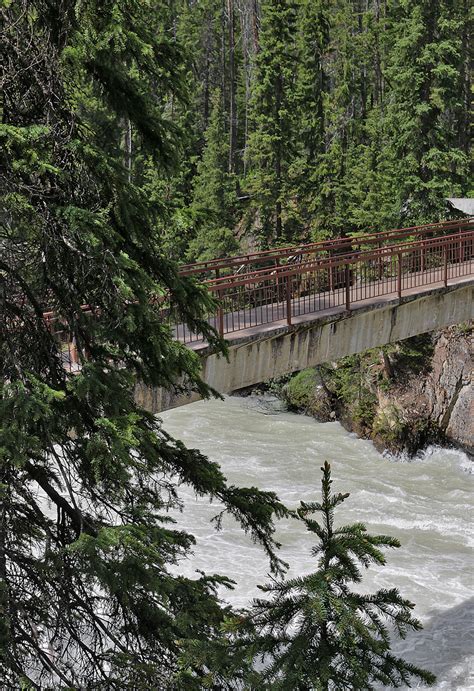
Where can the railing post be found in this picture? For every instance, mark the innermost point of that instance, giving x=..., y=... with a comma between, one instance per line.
x=288, y=300
x=278, y=281
x=445, y=265
x=220, y=311
x=220, y=315
x=348, y=286
x=73, y=354
x=331, y=271
x=399, y=275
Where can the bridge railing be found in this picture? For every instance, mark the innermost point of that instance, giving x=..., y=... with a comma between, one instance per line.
x=243, y=264
x=285, y=293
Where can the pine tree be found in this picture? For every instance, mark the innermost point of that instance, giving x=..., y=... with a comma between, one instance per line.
x=214, y=194
x=314, y=632
x=312, y=84
x=426, y=116
x=271, y=141
x=86, y=475
x=311, y=91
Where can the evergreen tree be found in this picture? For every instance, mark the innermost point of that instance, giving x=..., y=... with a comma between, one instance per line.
x=312, y=84
x=426, y=69
x=86, y=475
x=271, y=142
x=214, y=195
x=317, y=633
x=346, y=115
x=311, y=92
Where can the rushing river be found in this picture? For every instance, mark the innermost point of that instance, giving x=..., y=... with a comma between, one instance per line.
x=426, y=503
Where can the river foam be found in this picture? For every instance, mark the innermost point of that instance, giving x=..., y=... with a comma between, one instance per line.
x=425, y=502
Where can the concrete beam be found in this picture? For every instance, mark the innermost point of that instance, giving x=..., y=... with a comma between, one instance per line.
x=279, y=350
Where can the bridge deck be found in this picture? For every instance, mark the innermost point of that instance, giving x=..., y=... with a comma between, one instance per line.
x=301, y=284
x=306, y=308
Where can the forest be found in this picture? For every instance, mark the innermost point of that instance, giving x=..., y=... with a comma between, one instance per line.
x=312, y=119
x=136, y=134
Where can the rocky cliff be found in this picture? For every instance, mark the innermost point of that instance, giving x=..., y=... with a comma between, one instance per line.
x=449, y=387
x=403, y=396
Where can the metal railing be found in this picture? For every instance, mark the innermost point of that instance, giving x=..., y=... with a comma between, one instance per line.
x=285, y=293
x=282, y=256
x=327, y=276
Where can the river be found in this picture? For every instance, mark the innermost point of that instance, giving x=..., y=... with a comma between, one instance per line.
x=426, y=502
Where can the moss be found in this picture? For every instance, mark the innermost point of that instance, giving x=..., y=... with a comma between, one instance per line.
x=305, y=392
x=392, y=431
x=351, y=384
x=364, y=409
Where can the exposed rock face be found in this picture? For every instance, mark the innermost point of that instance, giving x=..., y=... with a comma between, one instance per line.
x=436, y=404
x=450, y=388
x=410, y=395
x=307, y=393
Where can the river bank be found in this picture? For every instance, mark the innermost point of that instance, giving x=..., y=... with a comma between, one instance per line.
x=402, y=397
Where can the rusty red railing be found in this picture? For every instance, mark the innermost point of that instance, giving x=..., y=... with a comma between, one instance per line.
x=215, y=268
x=272, y=287
x=285, y=293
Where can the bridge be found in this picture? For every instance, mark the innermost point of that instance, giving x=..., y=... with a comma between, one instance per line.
x=289, y=308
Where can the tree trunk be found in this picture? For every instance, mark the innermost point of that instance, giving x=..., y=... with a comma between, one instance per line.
x=232, y=88
x=378, y=75
x=278, y=100
x=127, y=145
x=255, y=24
x=387, y=365
x=464, y=124
x=223, y=57
x=206, y=90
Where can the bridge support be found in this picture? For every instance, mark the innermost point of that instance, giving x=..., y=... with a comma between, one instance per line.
x=312, y=340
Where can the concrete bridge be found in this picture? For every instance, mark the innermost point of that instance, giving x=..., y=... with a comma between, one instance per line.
x=284, y=310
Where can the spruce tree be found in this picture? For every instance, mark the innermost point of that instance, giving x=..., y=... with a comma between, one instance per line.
x=271, y=142
x=314, y=631
x=86, y=475
x=214, y=194
x=310, y=95
x=427, y=109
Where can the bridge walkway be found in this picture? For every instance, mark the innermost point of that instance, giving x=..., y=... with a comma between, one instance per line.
x=267, y=316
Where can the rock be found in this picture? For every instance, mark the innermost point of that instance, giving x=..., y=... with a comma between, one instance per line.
x=450, y=387
x=460, y=428
x=306, y=393
x=265, y=403
x=425, y=397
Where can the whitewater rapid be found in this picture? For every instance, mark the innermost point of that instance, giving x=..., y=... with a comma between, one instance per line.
x=426, y=502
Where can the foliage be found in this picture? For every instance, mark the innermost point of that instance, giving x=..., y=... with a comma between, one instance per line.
x=348, y=116
x=426, y=116
x=351, y=383
x=213, y=194
x=272, y=107
x=306, y=392
x=87, y=477
x=117, y=159
x=314, y=631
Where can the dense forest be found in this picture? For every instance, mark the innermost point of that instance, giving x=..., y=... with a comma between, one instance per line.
x=313, y=118
x=139, y=132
